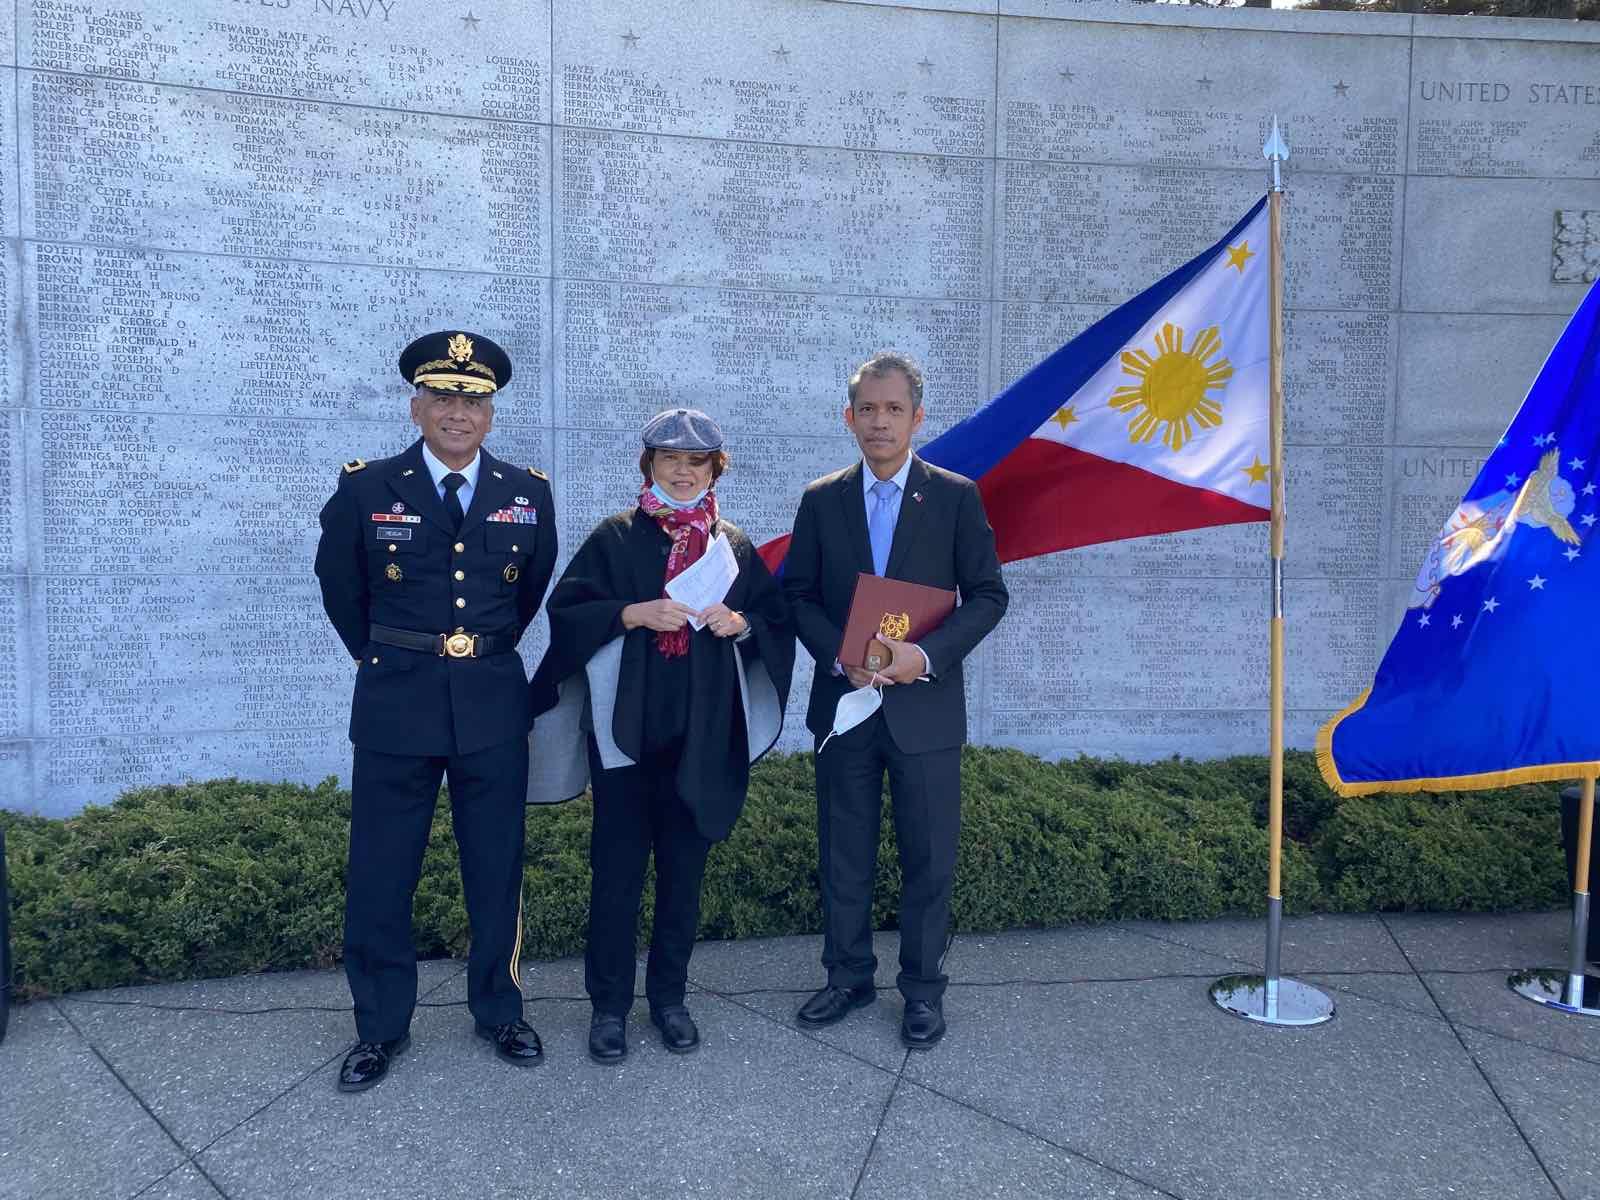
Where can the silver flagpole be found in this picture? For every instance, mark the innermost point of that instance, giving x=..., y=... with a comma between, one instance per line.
x=1269, y=998
x=1575, y=990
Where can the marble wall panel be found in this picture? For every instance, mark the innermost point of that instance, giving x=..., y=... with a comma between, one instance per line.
x=131, y=494
x=646, y=207
x=1205, y=96
x=779, y=71
x=160, y=331
x=70, y=772
x=490, y=61
x=1504, y=108
x=114, y=162
x=1461, y=377
x=1079, y=233
x=17, y=790
x=16, y=681
x=762, y=362
x=1451, y=224
x=10, y=175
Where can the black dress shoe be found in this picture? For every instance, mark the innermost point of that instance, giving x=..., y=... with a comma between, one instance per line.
x=923, y=1024
x=608, y=1038
x=515, y=1041
x=834, y=1004
x=678, y=1032
x=368, y=1062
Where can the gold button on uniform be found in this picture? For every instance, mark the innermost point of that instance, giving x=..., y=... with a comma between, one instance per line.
x=392, y=547
x=461, y=574
x=515, y=549
x=460, y=603
x=459, y=547
x=374, y=660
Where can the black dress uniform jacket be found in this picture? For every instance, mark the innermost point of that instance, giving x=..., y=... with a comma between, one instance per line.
x=488, y=578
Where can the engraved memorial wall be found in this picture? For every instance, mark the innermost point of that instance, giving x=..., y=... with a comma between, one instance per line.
x=223, y=218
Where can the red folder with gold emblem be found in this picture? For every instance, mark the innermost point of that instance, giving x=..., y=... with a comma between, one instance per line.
x=889, y=608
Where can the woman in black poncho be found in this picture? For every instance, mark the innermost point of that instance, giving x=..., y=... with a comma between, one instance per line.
x=662, y=720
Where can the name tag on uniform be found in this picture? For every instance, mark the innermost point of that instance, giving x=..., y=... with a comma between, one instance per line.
x=398, y=518
x=397, y=533
x=517, y=514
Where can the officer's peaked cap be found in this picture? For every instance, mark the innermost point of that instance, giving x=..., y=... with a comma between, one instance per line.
x=454, y=360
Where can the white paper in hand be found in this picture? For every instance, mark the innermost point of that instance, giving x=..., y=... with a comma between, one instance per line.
x=707, y=581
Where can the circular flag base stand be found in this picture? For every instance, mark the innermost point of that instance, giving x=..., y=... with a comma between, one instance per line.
x=1272, y=1002
x=1556, y=989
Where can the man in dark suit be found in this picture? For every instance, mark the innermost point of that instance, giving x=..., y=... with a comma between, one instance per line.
x=893, y=515
x=432, y=564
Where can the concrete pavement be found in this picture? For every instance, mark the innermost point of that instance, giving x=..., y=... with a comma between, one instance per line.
x=1081, y=1062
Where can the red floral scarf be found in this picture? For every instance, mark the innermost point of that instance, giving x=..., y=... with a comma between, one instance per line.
x=690, y=531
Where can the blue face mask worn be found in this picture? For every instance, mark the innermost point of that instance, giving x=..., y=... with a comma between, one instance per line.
x=661, y=494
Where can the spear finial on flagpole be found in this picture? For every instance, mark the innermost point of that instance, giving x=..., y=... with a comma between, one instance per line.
x=1276, y=151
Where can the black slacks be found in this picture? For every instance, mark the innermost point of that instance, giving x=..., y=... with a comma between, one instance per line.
x=638, y=810
x=392, y=803
x=926, y=793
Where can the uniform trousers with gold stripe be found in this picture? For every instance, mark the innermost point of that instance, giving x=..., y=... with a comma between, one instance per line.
x=392, y=804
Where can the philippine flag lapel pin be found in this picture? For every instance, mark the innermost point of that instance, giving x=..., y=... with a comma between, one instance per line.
x=917, y=496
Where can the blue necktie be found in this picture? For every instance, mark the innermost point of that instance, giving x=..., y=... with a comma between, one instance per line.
x=880, y=524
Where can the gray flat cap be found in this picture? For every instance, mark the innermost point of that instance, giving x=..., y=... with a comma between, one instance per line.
x=682, y=429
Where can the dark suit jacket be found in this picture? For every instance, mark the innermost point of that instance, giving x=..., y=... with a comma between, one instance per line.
x=407, y=702
x=943, y=540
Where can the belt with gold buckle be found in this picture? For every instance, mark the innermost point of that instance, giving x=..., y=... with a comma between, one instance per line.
x=446, y=645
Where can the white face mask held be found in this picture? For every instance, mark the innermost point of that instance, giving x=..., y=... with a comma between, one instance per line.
x=854, y=707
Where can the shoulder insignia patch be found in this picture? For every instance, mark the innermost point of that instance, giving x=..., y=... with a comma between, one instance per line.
x=354, y=465
x=538, y=474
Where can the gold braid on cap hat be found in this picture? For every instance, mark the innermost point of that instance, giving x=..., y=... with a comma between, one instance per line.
x=447, y=374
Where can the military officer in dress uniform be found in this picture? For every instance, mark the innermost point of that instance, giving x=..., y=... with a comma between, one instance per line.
x=432, y=564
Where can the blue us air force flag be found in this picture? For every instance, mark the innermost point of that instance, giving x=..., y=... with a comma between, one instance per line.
x=1494, y=676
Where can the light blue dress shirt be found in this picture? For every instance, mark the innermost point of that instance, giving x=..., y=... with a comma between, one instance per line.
x=894, y=502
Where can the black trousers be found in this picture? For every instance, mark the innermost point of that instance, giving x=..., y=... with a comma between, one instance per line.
x=638, y=810
x=392, y=802
x=926, y=794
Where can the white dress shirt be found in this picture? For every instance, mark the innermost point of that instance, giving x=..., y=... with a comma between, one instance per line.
x=438, y=470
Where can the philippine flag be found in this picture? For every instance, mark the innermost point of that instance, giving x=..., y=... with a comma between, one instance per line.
x=1153, y=420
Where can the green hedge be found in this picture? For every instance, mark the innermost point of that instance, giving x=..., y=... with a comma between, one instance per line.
x=226, y=877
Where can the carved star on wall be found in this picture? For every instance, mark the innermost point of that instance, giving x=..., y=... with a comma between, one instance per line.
x=471, y=22
x=1341, y=88
x=630, y=37
x=1066, y=74
x=1205, y=84
x=925, y=64
x=782, y=53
